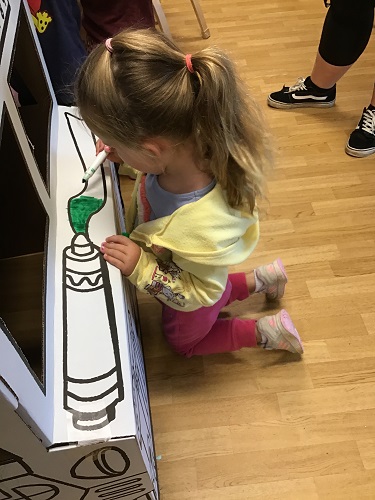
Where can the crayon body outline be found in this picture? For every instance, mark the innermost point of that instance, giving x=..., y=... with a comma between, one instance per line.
x=80, y=393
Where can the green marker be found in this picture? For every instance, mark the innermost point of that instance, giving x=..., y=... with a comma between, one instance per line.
x=101, y=157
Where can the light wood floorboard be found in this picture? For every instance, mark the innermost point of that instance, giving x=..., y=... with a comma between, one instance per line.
x=268, y=425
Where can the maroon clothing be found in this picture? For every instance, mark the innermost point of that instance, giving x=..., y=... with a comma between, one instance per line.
x=102, y=19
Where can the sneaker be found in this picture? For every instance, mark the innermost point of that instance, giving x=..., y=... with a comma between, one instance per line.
x=279, y=332
x=302, y=95
x=274, y=278
x=361, y=142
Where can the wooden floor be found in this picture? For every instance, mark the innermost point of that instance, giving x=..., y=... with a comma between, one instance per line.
x=268, y=425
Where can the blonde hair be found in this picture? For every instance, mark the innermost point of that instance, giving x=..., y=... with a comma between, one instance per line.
x=143, y=88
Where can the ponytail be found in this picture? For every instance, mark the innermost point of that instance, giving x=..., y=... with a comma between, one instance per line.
x=147, y=87
x=229, y=127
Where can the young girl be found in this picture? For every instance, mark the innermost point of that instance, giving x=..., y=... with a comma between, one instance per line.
x=202, y=153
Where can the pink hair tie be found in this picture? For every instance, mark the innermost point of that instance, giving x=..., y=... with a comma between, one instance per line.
x=189, y=64
x=108, y=45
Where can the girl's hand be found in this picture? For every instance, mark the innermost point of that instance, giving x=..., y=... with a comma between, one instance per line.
x=121, y=252
x=113, y=156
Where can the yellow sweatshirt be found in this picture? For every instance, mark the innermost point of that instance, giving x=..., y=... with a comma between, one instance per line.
x=185, y=256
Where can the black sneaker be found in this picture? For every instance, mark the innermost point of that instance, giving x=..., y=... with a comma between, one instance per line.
x=361, y=142
x=302, y=95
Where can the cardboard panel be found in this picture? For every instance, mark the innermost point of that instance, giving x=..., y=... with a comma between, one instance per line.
x=27, y=78
x=74, y=410
x=110, y=470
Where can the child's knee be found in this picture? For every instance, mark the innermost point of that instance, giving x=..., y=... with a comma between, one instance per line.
x=185, y=351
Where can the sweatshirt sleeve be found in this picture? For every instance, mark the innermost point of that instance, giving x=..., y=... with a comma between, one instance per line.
x=180, y=284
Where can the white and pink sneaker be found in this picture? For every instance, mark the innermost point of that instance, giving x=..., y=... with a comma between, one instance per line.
x=271, y=280
x=279, y=332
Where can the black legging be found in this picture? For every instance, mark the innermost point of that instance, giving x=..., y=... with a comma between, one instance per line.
x=346, y=31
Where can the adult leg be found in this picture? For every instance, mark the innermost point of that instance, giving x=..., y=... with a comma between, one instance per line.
x=345, y=34
x=346, y=31
x=325, y=75
x=372, y=102
x=356, y=21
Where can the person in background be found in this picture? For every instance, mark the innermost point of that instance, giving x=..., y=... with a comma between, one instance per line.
x=59, y=29
x=101, y=20
x=346, y=32
x=202, y=153
x=58, y=25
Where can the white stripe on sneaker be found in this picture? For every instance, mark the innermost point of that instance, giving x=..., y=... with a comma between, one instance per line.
x=314, y=97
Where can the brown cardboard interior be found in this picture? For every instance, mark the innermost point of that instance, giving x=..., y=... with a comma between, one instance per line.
x=23, y=226
x=27, y=78
x=21, y=306
x=24, y=221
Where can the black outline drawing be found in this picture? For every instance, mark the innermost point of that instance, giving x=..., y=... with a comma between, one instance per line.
x=91, y=400
x=101, y=463
x=17, y=478
x=18, y=481
x=130, y=487
x=140, y=399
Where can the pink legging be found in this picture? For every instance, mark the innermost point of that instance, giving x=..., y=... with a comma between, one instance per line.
x=201, y=332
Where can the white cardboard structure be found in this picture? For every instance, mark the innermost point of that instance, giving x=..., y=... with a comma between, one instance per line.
x=77, y=425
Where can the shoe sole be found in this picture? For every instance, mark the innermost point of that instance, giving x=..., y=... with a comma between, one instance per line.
x=282, y=280
x=283, y=105
x=289, y=331
x=359, y=153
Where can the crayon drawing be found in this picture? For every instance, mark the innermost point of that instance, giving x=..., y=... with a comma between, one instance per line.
x=91, y=390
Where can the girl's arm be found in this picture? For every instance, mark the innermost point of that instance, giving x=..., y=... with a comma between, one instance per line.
x=184, y=289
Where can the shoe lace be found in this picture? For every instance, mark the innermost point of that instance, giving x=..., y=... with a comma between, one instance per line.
x=367, y=122
x=299, y=85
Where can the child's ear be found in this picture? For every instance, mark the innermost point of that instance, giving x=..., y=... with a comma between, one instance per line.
x=151, y=148
x=156, y=147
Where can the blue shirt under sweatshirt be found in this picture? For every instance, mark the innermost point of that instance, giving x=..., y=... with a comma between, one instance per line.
x=164, y=203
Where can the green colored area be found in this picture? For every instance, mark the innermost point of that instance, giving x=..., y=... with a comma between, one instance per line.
x=80, y=210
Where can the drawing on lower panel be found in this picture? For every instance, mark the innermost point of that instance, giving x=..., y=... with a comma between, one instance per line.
x=111, y=463
x=18, y=481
